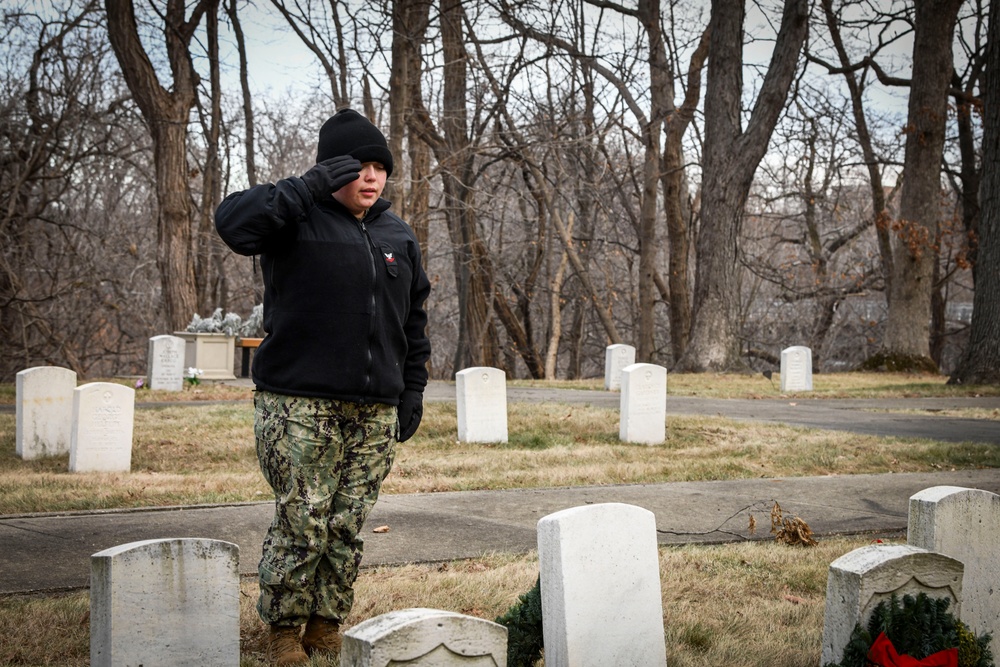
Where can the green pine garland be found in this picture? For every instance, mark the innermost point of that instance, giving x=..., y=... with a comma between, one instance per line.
x=524, y=628
x=917, y=626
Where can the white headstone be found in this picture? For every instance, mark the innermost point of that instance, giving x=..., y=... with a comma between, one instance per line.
x=616, y=357
x=859, y=580
x=643, y=414
x=424, y=638
x=165, y=363
x=44, y=411
x=103, y=418
x=600, y=584
x=481, y=396
x=796, y=369
x=170, y=603
x=964, y=524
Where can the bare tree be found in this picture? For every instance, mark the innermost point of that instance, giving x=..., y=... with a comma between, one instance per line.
x=981, y=361
x=76, y=285
x=166, y=110
x=856, y=86
x=248, y=116
x=675, y=204
x=320, y=27
x=731, y=158
x=478, y=344
x=906, y=342
x=659, y=163
x=808, y=233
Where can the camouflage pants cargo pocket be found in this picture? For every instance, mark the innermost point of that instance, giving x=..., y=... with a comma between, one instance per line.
x=325, y=461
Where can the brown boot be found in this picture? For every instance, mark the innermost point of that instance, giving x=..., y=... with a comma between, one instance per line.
x=321, y=635
x=284, y=648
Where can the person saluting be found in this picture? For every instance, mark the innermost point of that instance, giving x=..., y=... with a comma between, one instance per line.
x=339, y=376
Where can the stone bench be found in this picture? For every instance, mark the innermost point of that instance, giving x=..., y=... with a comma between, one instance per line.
x=247, y=344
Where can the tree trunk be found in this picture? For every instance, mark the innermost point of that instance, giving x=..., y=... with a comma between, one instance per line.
x=555, y=313
x=166, y=112
x=674, y=204
x=477, y=344
x=210, y=276
x=980, y=363
x=915, y=232
x=661, y=104
x=248, y=119
x=731, y=158
x=407, y=28
x=409, y=193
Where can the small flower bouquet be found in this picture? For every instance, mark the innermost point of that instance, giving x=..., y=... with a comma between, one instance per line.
x=193, y=375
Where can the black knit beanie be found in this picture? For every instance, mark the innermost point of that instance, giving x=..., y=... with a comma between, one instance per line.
x=349, y=133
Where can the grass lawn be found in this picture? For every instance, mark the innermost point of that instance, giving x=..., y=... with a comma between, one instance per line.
x=754, y=603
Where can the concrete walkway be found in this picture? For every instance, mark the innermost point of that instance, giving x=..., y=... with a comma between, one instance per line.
x=51, y=552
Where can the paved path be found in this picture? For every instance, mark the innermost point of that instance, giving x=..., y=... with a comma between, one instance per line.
x=903, y=417
x=50, y=552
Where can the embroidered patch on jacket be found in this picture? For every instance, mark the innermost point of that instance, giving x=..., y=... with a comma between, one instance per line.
x=391, y=265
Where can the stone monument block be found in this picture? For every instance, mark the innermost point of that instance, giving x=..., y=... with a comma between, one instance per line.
x=425, y=638
x=166, y=603
x=616, y=357
x=44, y=411
x=796, y=369
x=165, y=363
x=214, y=354
x=481, y=397
x=859, y=580
x=964, y=524
x=643, y=414
x=600, y=584
x=103, y=419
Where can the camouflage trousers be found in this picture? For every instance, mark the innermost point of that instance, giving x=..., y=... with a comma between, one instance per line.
x=325, y=461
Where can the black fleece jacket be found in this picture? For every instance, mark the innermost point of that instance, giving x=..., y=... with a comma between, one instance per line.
x=343, y=298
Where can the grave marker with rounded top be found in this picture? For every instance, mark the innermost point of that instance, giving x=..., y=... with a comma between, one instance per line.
x=481, y=402
x=44, y=411
x=796, y=369
x=860, y=579
x=616, y=357
x=165, y=363
x=643, y=404
x=170, y=603
x=600, y=582
x=103, y=419
x=964, y=524
x=425, y=638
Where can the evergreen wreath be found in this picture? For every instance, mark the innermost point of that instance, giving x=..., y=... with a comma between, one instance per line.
x=918, y=626
x=524, y=628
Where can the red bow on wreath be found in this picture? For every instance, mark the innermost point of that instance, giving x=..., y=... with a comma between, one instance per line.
x=883, y=654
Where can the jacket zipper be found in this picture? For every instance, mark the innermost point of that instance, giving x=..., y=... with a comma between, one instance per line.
x=374, y=304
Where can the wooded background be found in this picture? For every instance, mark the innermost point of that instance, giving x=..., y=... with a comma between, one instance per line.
x=709, y=182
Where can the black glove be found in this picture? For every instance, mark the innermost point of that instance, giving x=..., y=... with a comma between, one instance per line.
x=411, y=409
x=330, y=175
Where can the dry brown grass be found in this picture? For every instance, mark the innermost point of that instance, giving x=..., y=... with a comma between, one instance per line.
x=758, y=603
x=750, y=603
x=204, y=454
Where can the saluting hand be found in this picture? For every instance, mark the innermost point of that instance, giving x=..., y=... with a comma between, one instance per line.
x=330, y=175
